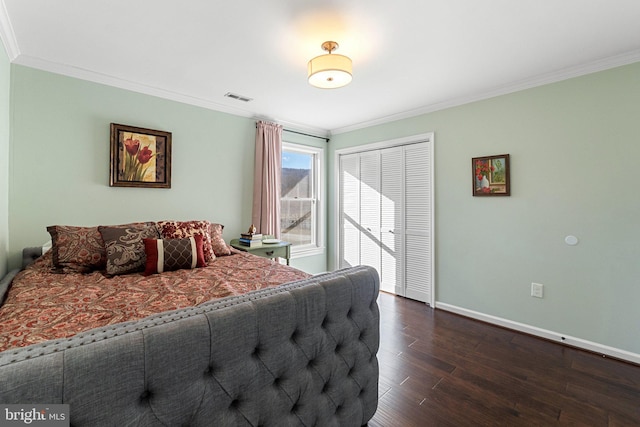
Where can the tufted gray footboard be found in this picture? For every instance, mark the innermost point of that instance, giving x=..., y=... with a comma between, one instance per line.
x=303, y=354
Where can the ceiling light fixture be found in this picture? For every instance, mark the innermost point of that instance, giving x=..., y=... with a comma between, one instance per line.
x=330, y=71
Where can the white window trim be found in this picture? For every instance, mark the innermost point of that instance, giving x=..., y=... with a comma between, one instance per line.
x=319, y=247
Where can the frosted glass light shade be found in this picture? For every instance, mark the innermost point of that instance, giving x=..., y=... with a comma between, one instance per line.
x=330, y=71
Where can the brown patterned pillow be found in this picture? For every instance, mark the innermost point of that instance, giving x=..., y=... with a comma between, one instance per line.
x=125, y=247
x=79, y=249
x=173, y=254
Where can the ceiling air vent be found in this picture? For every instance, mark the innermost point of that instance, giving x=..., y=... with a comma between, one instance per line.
x=238, y=97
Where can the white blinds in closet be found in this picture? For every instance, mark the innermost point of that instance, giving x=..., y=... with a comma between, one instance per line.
x=386, y=216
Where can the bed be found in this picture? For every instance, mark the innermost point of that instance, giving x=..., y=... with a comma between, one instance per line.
x=262, y=344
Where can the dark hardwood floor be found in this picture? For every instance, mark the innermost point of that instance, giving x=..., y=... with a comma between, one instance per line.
x=441, y=369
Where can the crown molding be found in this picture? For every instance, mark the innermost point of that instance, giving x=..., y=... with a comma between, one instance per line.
x=8, y=38
x=541, y=80
x=95, y=77
x=7, y=35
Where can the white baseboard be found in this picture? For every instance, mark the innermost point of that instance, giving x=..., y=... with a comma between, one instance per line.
x=543, y=333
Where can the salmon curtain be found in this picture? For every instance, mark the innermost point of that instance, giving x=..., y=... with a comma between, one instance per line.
x=266, y=180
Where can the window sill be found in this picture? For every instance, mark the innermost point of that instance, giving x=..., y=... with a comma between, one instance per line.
x=305, y=251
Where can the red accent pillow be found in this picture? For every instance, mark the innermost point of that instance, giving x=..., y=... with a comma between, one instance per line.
x=183, y=229
x=173, y=254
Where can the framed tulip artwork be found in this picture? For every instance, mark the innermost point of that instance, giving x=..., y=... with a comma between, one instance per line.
x=140, y=157
x=490, y=175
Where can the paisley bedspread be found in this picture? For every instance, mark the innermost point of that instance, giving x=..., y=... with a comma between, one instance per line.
x=42, y=305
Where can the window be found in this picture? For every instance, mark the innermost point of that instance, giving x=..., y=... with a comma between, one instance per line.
x=301, y=219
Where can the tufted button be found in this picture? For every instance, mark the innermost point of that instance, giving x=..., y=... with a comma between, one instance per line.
x=325, y=387
x=234, y=403
x=277, y=381
x=256, y=352
x=146, y=395
x=325, y=322
x=209, y=370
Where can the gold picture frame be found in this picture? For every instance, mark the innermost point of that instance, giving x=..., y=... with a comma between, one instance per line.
x=140, y=157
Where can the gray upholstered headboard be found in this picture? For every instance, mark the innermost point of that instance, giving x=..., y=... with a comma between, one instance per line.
x=5, y=282
x=28, y=256
x=303, y=354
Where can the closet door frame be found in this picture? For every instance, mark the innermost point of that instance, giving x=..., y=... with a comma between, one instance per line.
x=414, y=139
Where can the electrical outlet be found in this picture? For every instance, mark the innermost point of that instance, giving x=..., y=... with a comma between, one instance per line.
x=537, y=290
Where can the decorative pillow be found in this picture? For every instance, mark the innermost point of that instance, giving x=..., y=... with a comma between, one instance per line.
x=125, y=247
x=173, y=254
x=184, y=229
x=219, y=246
x=79, y=249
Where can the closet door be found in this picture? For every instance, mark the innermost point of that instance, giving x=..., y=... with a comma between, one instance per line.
x=417, y=216
x=391, y=220
x=370, y=247
x=349, y=218
x=385, y=215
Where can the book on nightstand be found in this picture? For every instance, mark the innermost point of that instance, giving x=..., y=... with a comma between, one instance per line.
x=250, y=242
x=255, y=236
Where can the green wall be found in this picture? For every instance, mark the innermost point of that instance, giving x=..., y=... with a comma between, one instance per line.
x=573, y=145
x=60, y=160
x=575, y=149
x=5, y=99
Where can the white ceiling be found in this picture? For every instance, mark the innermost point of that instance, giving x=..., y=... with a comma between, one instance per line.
x=409, y=56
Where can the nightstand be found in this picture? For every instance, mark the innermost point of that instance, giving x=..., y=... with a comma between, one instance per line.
x=267, y=250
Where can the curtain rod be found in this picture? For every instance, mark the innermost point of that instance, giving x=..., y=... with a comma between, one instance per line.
x=306, y=134
x=302, y=133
